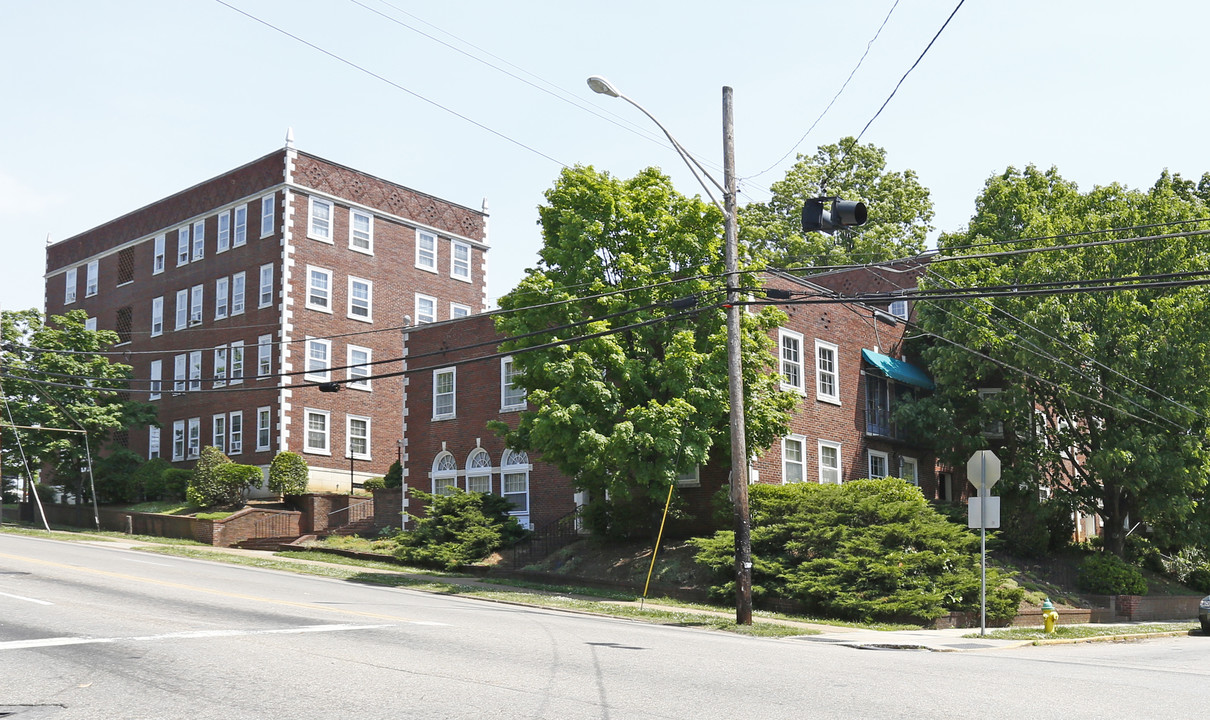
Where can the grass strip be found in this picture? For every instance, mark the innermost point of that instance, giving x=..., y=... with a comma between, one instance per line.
x=1076, y=632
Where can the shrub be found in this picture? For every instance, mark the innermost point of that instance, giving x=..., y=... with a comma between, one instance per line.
x=206, y=488
x=1108, y=574
x=288, y=474
x=394, y=476
x=238, y=479
x=116, y=478
x=865, y=550
x=150, y=477
x=459, y=528
x=176, y=483
x=376, y=483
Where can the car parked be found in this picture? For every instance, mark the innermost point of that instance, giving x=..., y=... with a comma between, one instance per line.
x=1203, y=614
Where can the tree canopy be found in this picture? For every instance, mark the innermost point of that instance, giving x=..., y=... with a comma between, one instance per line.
x=1102, y=396
x=899, y=220
x=645, y=397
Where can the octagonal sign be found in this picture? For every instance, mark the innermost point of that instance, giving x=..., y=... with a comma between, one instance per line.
x=983, y=470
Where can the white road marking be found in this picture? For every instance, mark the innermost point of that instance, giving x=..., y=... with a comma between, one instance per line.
x=18, y=597
x=61, y=641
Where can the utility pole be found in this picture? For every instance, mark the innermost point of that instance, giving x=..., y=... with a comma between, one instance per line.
x=735, y=376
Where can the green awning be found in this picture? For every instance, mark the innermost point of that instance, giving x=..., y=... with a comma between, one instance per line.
x=898, y=369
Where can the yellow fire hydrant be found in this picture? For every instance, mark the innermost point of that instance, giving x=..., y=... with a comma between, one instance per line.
x=1049, y=616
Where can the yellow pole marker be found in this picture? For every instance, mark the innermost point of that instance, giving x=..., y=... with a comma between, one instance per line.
x=656, y=551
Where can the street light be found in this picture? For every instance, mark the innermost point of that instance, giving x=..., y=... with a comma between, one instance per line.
x=735, y=379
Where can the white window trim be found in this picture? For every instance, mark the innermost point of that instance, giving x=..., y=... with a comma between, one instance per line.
x=268, y=215
x=195, y=370
x=820, y=395
x=994, y=429
x=506, y=406
x=517, y=469
x=691, y=478
x=155, y=374
x=354, y=212
x=264, y=350
x=326, y=375
x=905, y=460
x=886, y=462
x=199, y=240
x=92, y=279
x=222, y=295
x=233, y=419
x=436, y=256
x=264, y=299
x=237, y=349
x=157, y=316
x=436, y=475
x=322, y=271
x=221, y=363
x=354, y=384
x=478, y=472
x=901, y=306
x=267, y=413
x=239, y=230
x=454, y=246
x=197, y=304
x=431, y=299
x=801, y=462
x=222, y=240
x=782, y=335
x=182, y=246
x=455, y=307
x=218, y=432
x=178, y=450
x=153, y=442
x=181, y=310
x=349, y=437
x=452, y=372
x=239, y=291
x=369, y=318
x=180, y=372
x=193, y=433
x=71, y=281
x=327, y=449
x=823, y=469
x=311, y=227
x=158, y=259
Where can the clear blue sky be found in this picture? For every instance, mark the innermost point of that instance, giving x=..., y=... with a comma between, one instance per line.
x=107, y=106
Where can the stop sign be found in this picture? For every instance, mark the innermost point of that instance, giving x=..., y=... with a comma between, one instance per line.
x=983, y=470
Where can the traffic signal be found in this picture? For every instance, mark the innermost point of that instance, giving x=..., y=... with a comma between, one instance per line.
x=844, y=213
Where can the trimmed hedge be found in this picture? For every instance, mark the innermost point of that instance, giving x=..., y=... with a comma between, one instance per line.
x=1108, y=574
x=288, y=474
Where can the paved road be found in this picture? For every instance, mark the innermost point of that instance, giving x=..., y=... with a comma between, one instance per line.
x=94, y=632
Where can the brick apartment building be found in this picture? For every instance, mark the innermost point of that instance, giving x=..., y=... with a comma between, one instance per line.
x=234, y=298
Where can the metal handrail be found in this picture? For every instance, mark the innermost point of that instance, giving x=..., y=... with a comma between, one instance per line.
x=550, y=537
x=274, y=524
x=360, y=515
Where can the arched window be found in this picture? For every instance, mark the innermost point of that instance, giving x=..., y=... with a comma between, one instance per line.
x=445, y=474
x=514, y=480
x=479, y=471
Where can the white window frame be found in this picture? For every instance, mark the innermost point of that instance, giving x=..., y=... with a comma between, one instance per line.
x=157, y=316
x=509, y=402
x=825, y=471
x=898, y=308
x=195, y=370
x=219, y=374
x=180, y=365
x=886, y=463
x=823, y=375
x=460, y=269
x=458, y=310
x=178, y=440
x=264, y=428
x=193, y=446
x=268, y=215
x=182, y=246
x=444, y=479
x=222, y=242
x=426, y=258
x=218, y=432
x=349, y=420
x=358, y=368
x=478, y=471
x=320, y=228
x=235, y=363
x=313, y=372
x=325, y=434
x=153, y=442
x=994, y=429
x=239, y=235
x=157, y=255
x=91, y=278
x=312, y=273
x=235, y=433
x=431, y=317
x=790, y=361
x=238, y=289
x=265, y=294
x=788, y=463
x=369, y=300
x=70, y=282
x=264, y=356
x=199, y=240
x=510, y=465
x=439, y=410
x=156, y=374
x=182, y=309
x=690, y=478
x=904, y=463
x=91, y=325
x=221, y=294
x=366, y=236
x=196, y=301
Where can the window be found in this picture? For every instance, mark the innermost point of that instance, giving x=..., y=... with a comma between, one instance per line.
x=512, y=395
x=793, y=459
x=182, y=246
x=878, y=464
x=792, y=373
x=426, y=309
x=123, y=323
x=690, y=478
x=320, y=220
x=195, y=370
x=241, y=226
x=157, y=259
x=359, y=368
x=125, y=266
x=182, y=309
x=220, y=298
x=267, y=206
x=263, y=428
x=153, y=442
x=235, y=433
x=156, y=373
x=829, y=462
x=460, y=261
x=266, y=286
x=514, y=480
x=357, y=437
x=361, y=231
x=178, y=373
x=443, y=393
x=224, y=232
x=199, y=239
x=319, y=355
x=157, y=316
x=987, y=402
x=426, y=250
x=220, y=366
x=178, y=440
x=69, y=286
x=361, y=295
x=237, y=362
x=317, y=432
x=90, y=281
x=91, y=324
x=479, y=472
x=445, y=474
x=237, y=293
x=195, y=438
x=909, y=470
x=899, y=309
x=827, y=387
x=195, y=305
x=319, y=289
x=457, y=310
x=218, y=437
x=264, y=357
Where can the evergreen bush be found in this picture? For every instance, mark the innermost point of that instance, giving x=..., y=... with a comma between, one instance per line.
x=375, y=483
x=394, y=476
x=457, y=529
x=206, y=488
x=1107, y=574
x=288, y=474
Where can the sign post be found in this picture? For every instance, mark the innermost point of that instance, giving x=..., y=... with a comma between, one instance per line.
x=983, y=471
